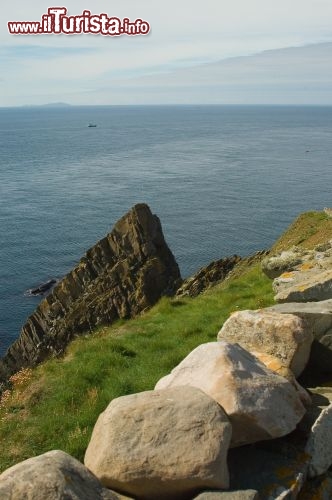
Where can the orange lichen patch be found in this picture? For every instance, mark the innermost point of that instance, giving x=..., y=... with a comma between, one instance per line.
x=287, y=275
x=271, y=362
x=302, y=288
x=306, y=266
x=285, y=472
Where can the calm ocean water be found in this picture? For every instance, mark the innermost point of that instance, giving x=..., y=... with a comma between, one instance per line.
x=223, y=180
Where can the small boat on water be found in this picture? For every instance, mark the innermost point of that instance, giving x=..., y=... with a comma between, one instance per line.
x=42, y=288
x=92, y=125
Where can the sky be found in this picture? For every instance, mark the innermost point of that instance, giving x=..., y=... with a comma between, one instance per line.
x=211, y=51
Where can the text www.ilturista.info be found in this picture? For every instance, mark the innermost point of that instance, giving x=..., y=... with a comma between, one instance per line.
x=56, y=22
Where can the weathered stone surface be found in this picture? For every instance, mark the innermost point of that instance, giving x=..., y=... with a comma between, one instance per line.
x=52, y=476
x=301, y=275
x=275, y=476
x=303, y=286
x=275, y=364
x=208, y=276
x=161, y=444
x=284, y=336
x=228, y=495
x=319, y=488
x=260, y=404
x=321, y=398
x=273, y=266
x=319, y=445
x=122, y=275
x=319, y=316
x=298, y=259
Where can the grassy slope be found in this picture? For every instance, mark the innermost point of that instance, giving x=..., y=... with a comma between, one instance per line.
x=308, y=230
x=55, y=406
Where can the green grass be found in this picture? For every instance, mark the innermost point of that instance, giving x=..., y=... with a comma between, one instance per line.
x=57, y=407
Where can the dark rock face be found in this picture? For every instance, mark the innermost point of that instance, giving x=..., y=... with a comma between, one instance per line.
x=124, y=274
x=208, y=276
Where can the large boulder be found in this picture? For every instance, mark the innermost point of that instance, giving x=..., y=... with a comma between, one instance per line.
x=319, y=316
x=284, y=336
x=55, y=475
x=124, y=274
x=260, y=404
x=305, y=285
x=167, y=444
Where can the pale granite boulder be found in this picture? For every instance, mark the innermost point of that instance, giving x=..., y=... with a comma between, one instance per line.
x=305, y=285
x=284, y=336
x=319, y=445
x=55, y=475
x=260, y=403
x=317, y=314
x=167, y=444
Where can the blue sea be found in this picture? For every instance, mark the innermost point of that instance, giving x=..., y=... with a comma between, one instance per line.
x=222, y=179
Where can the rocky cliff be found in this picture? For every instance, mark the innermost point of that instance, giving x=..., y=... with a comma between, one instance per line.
x=208, y=276
x=122, y=275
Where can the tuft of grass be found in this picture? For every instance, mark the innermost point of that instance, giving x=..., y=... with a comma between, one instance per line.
x=56, y=405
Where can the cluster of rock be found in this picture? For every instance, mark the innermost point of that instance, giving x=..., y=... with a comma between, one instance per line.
x=122, y=275
x=231, y=421
x=208, y=276
x=301, y=275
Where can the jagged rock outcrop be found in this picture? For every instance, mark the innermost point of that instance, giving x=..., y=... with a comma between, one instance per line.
x=122, y=275
x=208, y=276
